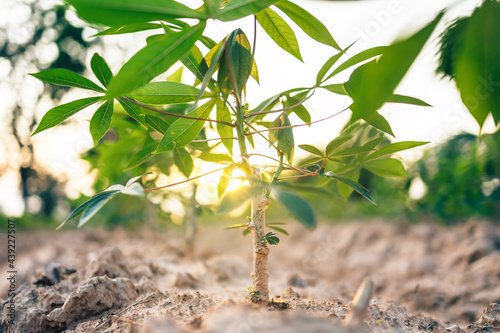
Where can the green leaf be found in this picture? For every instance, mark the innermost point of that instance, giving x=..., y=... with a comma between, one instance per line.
x=358, y=58
x=394, y=148
x=224, y=180
x=236, y=64
x=62, y=112
x=367, y=147
x=84, y=205
x=142, y=155
x=299, y=208
x=371, y=85
x=236, y=226
x=183, y=161
x=271, y=238
x=101, y=120
x=308, y=23
x=237, y=198
x=386, y=167
x=212, y=61
x=345, y=190
x=267, y=105
x=166, y=92
x=216, y=158
x=136, y=178
x=279, y=31
x=300, y=110
x=224, y=131
x=192, y=60
x=154, y=59
x=118, y=30
x=278, y=229
x=395, y=98
x=236, y=9
x=101, y=69
x=311, y=149
x=329, y=63
x=184, y=130
x=352, y=184
x=156, y=123
x=67, y=78
x=176, y=76
x=95, y=206
x=124, y=12
x=133, y=110
x=283, y=136
x=336, y=88
x=477, y=67
x=333, y=145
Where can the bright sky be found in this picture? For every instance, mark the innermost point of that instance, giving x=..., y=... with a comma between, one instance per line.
x=371, y=23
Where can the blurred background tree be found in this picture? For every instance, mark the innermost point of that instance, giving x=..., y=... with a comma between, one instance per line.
x=40, y=38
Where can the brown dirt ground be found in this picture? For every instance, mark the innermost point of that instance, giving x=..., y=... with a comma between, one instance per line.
x=427, y=279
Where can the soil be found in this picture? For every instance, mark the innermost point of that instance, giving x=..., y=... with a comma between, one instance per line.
x=427, y=278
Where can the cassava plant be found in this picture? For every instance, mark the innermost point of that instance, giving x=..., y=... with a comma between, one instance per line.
x=218, y=104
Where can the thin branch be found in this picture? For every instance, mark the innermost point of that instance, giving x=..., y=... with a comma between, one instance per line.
x=182, y=182
x=262, y=135
x=176, y=114
x=248, y=115
x=223, y=138
x=288, y=165
x=292, y=126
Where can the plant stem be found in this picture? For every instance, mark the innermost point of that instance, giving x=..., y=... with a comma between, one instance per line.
x=260, y=274
x=292, y=126
x=182, y=182
x=176, y=114
x=248, y=115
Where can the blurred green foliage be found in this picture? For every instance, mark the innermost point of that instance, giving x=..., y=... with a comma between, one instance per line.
x=462, y=179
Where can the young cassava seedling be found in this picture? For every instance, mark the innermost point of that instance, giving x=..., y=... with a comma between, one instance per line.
x=217, y=101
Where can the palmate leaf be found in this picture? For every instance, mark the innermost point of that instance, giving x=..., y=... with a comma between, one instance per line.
x=477, y=68
x=184, y=130
x=224, y=180
x=297, y=206
x=216, y=158
x=62, y=112
x=133, y=110
x=284, y=136
x=129, y=28
x=358, y=58
x=338, y=88
x=94, y=204
x=385, y=167
x=101, y=120
x=370, y=85
x=345, y=191
x=166, y=92
x=236, y=9
x=67, y=78
x=101, y=69
x=183, y=161
x=156, y=123
x=142, y=155
x=193, y=60
x=154, y=59
x=329, y=63
x=236, y=64
x=352, y=184
x=300, y=110
x=224, y=131
x=308, y=23
x=311, y=149
x=279, y=31
x=394, y=148
x=237, y=198
x=124, y=12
